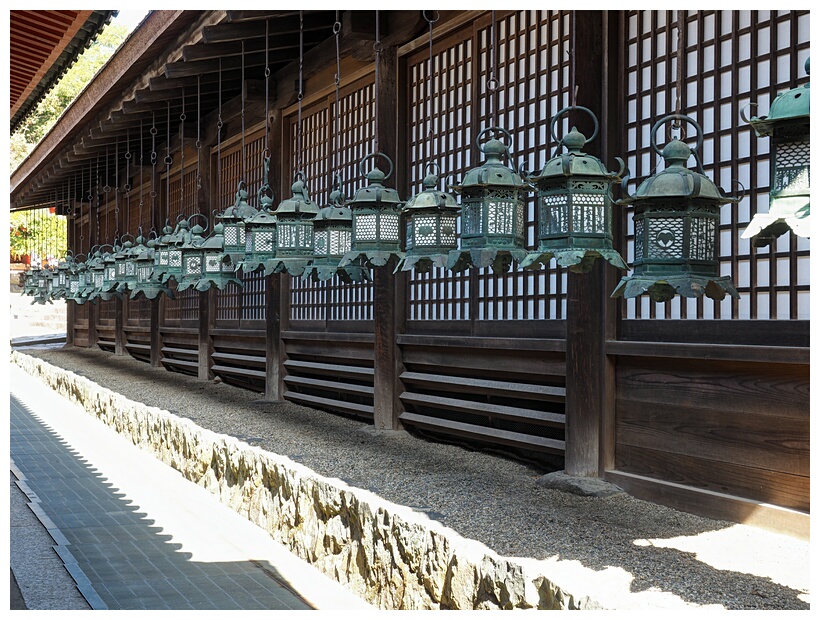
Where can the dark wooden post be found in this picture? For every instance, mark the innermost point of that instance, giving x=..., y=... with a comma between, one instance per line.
x=587, y=300
x=385, y=288
x=70, y=306
x=156, y=337
x=207, y=313
x=119, y=332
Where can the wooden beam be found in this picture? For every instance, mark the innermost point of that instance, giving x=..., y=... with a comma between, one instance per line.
x=240, y=32
x=156, y=337
x=276, y=43
x=252, y=63
x=119, y=334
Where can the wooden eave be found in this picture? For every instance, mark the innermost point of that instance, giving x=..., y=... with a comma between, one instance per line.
x=210, y=57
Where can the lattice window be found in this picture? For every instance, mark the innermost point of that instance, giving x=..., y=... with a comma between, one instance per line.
x=138, y=311
x=533, y=69
x=333, y=299
x=732, y=59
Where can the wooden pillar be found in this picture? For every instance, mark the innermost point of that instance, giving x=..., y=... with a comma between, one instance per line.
x=386, y=298
x=119, y=320
x=156, y=336
x=587, y=301
x=207, y=312
x=70, y=306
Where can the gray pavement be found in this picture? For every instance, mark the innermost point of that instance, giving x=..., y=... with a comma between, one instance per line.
x=97, y=523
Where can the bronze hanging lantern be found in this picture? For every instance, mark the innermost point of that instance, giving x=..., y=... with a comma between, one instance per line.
x=376, y=212
x=191, y=256
x=148, y=284
x=430, y=219
x=161, y=248
x=574, y=204
x=677, y=213
x=789, y=196
x=180, y=236
x=260, y=232
x=217, y=268
x=294, y=230
x=233, y=222
x=493, y=211
x=332, y=237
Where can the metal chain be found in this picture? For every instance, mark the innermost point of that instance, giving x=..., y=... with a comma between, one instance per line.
x=141, y=184
x=168, y=160
x=492, y=81
x=431, y=132
x=116, y=188
x=266, y=151
x=337, y=28
x=127, y=185
x=198, y=143
x=182, y=154
x=377, y=48
x=299, y=97
x=219, y=133
x=242, y=114
x=681, y=18
x=97, y=185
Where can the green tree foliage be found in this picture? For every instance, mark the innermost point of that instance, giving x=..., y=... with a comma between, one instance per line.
x=38, y=234
x=58, y=98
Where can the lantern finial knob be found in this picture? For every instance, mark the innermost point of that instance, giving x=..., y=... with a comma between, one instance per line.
x=574, y=141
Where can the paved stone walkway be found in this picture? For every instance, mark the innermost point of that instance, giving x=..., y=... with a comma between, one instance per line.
x=133, y=534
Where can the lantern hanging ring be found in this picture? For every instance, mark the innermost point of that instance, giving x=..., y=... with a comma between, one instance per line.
x=500, y=129
x=751, y=104
x=681, y=117
x=337, y=27
x=430, y=20
x=564, y=112
x=372, y=156
x=436, y=171
x=204, y=228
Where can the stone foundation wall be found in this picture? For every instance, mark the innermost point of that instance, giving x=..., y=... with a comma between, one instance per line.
x=387, y=554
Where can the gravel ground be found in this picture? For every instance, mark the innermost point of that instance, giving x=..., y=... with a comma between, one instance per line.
x=484, y=496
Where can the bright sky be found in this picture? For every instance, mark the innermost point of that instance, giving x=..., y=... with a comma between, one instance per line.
x=130, y=19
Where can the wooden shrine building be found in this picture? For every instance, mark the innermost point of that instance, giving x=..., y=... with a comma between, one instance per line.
x=698, y=404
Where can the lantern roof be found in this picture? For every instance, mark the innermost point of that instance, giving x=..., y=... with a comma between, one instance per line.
x=677, y=180
x=573, y=163
x=216, y=241
x=791, y=105
x=300, y=203
x=493, y=171
x=431, y=197
x=241, y=209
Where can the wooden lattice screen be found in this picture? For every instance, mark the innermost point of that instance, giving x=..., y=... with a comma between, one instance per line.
x=332, y=299
x=532, y=71
x=732, y=59
x=235, y=304
x=181, y=200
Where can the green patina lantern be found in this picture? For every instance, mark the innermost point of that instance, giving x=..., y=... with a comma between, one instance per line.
x=82, y=288
x=60, y=289
x=677, y=213
x=233, y=222
x=77, y=266
x=217, y=268
x=96, y=273
x=43, y=286
x=789, y=206
x=191, y=257
x=161, y=247
x=574, y=205
x=430, y=220
x=332, y=237
x=121, y=256
x=260, y=232
x=493, y=211
x=148, y=284
x=294, y=230
x=110, y=281
x=180, y=236
x=376, y=212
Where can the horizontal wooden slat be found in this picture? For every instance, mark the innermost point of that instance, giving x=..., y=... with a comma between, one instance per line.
x=522, y=364
x=498, y=411
x=330, y=350
x=714, y=505
x=747, y=353
x=484, y=386
x=232, y=370
x=328, y=403
x=176, y=351
x=137, y=346
x=325, y=336
x=779, y=488
x=336, y=370
x=721, y=435
x=334, y=386
x=255, y=360
x=492, y=435
x=473, y=342
x=175, y=362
